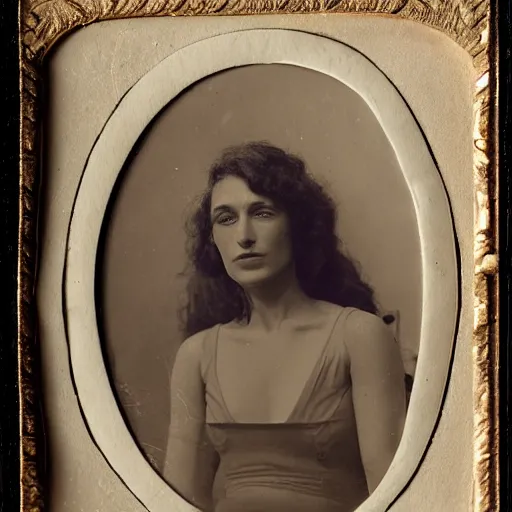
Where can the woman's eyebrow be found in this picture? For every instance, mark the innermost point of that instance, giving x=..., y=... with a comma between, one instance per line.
x=255, y=204
x=222, y=208
x=265, y=204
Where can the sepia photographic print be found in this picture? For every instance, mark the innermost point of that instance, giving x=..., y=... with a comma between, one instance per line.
x=287, y=389
x=265, y=259
x=252, y=225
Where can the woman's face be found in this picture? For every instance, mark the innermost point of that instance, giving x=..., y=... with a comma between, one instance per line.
x=250, y=232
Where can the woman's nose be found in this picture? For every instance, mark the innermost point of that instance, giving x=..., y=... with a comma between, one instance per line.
x=246, y=238
x=245, y=243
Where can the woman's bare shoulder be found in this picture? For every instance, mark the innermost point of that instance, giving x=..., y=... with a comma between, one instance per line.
x=192, y=348
x=353, y=320
x=366, y=332
x=364, y=322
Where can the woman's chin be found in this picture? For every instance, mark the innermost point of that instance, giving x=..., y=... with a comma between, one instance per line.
x=253, y=278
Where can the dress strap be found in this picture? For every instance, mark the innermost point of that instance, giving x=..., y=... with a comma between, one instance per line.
x=209, y=350
x=339, y=323
x=314, y=377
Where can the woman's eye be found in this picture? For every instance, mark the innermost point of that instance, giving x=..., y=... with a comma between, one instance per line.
x=264, y=214
x=225, y=219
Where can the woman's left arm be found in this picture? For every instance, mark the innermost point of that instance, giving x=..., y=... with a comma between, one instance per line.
x=378, y=392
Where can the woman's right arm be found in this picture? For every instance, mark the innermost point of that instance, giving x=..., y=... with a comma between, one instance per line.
x=191, y=462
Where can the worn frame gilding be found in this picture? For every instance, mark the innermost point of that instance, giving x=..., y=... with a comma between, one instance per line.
x=472, y=24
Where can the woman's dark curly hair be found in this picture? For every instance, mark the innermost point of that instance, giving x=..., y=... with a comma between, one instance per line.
x=322, y=270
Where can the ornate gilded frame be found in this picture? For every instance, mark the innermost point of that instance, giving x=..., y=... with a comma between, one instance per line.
x=472, y=24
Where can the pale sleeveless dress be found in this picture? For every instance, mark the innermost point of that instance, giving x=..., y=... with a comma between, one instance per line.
x=310, y=463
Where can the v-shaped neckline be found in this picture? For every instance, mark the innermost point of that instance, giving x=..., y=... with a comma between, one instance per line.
x=303, y=395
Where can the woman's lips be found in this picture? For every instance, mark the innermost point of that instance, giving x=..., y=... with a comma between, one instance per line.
x=248, y=256
x=249, y=261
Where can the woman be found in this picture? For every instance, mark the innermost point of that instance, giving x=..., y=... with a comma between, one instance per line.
x=288, y=393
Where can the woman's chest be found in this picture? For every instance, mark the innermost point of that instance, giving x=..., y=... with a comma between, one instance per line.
x=270, y=380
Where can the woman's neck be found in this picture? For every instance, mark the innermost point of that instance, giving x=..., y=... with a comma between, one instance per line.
x=274, y=302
